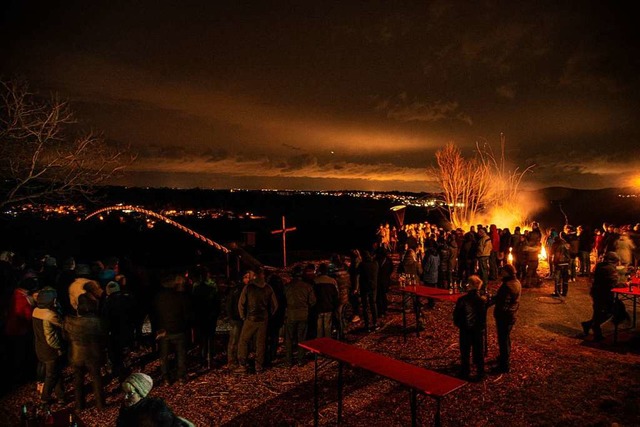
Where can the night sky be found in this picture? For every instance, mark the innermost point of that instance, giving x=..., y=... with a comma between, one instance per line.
x=340, y=94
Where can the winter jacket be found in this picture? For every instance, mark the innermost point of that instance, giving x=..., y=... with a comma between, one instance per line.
x=87, y=336
x=560, y=252
x=495, y=238
x=47, y=329
x=300, y=298
x=507, y=300
x=368, y=270
x=149, y=411
x=430, y=269
x=173, y=311
x=605, y=278
x=80, y=286
x=257, y=301
x=232, y=303
x=484, y=246
x=18, y=321
x=410, y=263
x=119, y=312
x=470, y=313
x=206, y=304
x=326, y=290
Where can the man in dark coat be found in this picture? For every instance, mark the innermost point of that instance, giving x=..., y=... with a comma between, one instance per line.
x=560, y=258
x=326, y=291
x=257, y=302
x=173, y=314
x=605, y=278
x=47, y=328
x=87, y=334
x=118, y=311
x=507, y=303
x=300, y=299
x=206, y=306
x=470, y=316
x=368, y=285
x=385, y=270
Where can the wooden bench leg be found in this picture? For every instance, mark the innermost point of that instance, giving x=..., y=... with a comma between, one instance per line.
x=615, y=327
x=316, y=405
x=437, y=422
x=414, y=408
x=404, y=316
x=340, y=382
x=416, y=309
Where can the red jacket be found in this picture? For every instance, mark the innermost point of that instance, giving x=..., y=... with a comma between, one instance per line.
x=19, y=316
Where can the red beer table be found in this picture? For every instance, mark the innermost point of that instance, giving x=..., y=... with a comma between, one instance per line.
x=626, y=294
x=419, y=291
x=415, y=378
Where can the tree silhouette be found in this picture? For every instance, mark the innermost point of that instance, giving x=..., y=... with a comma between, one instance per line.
x=41, y=154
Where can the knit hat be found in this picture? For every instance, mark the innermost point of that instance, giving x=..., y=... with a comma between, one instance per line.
x=141, y=383
x=112, y=287
x=46, y=297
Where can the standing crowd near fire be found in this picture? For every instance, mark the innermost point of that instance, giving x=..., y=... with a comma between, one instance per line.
x=88, y=317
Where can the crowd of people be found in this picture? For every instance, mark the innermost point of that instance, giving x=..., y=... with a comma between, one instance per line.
x=88, y=316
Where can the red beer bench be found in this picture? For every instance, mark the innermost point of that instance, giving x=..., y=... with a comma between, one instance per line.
x=415, y=378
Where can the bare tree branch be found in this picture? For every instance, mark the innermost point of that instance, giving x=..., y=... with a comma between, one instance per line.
x=40, y=157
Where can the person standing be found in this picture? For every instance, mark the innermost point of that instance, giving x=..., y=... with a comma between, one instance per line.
x=256, y=303
x=235, y=320
x=485, y=246
x=87, y=334
x=206, y=305
x=470, y=316
x=507, y=303
x=300, y=298
x=368, y=289
x=47, y=328
x=605, y=278
x=172, y=308
x=560, y=259
x=326, y=291
x=385, y=270
x=118, y=311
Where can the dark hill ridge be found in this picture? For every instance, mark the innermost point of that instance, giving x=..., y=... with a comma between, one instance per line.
x=588, y=207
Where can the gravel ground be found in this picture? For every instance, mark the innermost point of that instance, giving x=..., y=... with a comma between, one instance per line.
x=557, y=378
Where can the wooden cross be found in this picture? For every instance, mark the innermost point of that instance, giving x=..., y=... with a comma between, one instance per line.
x=284, y=231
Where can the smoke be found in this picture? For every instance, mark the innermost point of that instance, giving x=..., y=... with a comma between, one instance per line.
x=519, y=212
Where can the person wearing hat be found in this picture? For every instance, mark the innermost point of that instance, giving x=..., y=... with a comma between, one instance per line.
x=47, y=329
x=139, y=409
x=470, y=316
x=605, y=278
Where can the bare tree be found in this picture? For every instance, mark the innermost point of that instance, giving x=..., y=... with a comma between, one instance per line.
x=40, y=155
x=473, y=186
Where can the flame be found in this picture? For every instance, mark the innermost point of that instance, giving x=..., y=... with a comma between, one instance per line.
x=510, y=257
x=543, y=253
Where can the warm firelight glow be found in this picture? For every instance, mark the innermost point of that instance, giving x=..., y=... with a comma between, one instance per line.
x=510, y=256
x=543, y=254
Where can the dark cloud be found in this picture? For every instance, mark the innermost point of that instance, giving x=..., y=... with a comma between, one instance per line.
x=359, y=93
